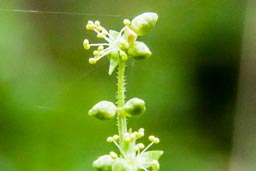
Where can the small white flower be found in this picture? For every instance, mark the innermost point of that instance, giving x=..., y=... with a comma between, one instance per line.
x=135, y=158
x=121, y=45
x=116, y=42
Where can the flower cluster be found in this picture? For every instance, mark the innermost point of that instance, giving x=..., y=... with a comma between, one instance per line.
x=123, y=44
x=134, y=156
x=119, y=47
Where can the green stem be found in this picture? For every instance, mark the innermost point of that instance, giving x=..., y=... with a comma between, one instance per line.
x=121, y=119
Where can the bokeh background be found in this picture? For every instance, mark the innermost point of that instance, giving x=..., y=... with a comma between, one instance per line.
x=191, y=84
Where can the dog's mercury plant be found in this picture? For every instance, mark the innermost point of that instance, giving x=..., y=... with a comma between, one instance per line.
x=118, y=48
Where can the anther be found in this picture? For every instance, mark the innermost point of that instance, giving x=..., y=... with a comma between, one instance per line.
x=115, y=137
x=153, y=139
x=97, y=23
x=92, y=61
x=90, y=25
x=133, y=136
x=95, y=53
x=140, y=146
x=100, y=48
x=140, y=133
x=127, y=139
x=90, y=22
x=100, y=36
x=123, y=44
x=98, y=28
x=113, y=155
x=157, y=140
x=155, y=164
x=86, y=44
x=110, y=139
x=127, y=22
x=123, y=55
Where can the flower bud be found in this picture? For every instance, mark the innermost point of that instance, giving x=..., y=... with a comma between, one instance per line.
x=121, y=165
x=139, y=50
x=104, y=110
x=103, y=163
x=134, y=107
x=143, y=23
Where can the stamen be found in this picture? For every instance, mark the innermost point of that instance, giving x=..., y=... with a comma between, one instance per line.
x=147, y=148
x=100, y=48
x=99, y=44
x=95, y=53
x=86, y=44
x=100, y=36
x=155, y=164
x=99, y=33
x=140, y=133
x=92, y=60
x=141, y=146
x=121, y=32
x=97, y=23
x=113, y=155
x=104, y=52
x=116, y=137
x=132, y=136
x=123, y=44
x=127, y=22
x=124, y=57
x=154, y=139
x=110, y=139
x=119, y=149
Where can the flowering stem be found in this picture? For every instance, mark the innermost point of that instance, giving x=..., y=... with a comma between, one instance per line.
x=121, y=119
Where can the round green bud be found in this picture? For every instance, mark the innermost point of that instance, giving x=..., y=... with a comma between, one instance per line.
x=134, y=107
x=104, y=110
x=121, y=165
x=143, y=23
x=139, y=50
x=103, y=163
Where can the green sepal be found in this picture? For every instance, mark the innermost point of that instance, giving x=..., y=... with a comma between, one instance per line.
x=152, y=155
x=103, y=163
x=113, y=56
x=139, y=50
x=144, y=22
x=121, y=165
x=113, y=35
x=149, y=156
x=113, y=61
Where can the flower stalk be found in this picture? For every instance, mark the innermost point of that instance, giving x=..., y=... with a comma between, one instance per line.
x=121, y=118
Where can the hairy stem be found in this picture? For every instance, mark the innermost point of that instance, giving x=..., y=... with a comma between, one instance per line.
x=121, y=119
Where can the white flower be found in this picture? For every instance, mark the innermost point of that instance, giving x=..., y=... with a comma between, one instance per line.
x=116, y=42
x=133, y=157
x=121, y=45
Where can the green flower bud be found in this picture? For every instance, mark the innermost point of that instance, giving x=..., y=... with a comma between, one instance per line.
x=139, y=50
x=134, y=107
x=143, y=23
x=121, y=165
x=103, y=163
x=104, y=110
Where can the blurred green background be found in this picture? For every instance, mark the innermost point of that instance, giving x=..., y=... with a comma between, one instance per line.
x=47, y=86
